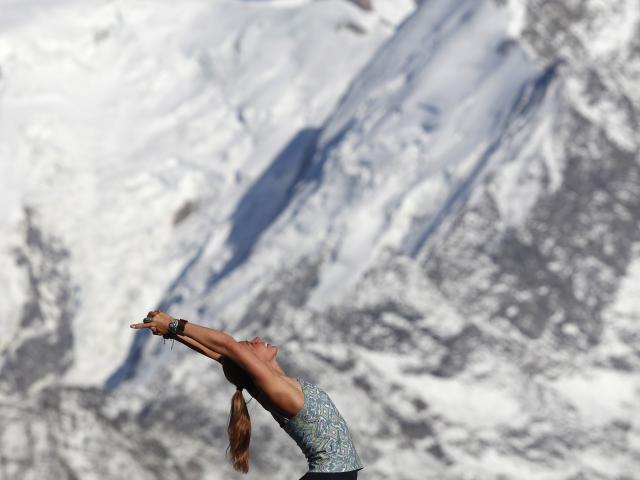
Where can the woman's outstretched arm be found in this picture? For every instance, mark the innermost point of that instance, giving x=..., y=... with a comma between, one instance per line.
x=280, y=392
x=204, y=338
x=198, y=347
x=213, y=340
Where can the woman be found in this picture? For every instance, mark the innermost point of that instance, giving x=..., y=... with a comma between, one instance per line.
x=302, y=409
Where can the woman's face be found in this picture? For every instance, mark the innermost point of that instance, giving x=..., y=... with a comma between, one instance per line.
x=262, y=349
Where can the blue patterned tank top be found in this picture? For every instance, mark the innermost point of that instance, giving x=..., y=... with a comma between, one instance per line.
x=321, y=432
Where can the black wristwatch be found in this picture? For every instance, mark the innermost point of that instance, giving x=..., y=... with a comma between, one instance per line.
x=173, y=325
x=176, y=326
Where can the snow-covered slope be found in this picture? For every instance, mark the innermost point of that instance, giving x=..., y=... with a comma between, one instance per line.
x=133, y=131
x=449, y=247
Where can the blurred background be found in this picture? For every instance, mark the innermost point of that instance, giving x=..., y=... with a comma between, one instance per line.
x=431, y=208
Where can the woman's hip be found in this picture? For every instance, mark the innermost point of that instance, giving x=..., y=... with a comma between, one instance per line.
x=353, y=475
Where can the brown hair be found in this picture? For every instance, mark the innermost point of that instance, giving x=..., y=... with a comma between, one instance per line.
x=239, y=428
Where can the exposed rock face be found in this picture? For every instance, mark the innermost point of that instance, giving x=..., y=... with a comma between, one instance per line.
x=44, y=348
x=563, y=266
x=364, y=4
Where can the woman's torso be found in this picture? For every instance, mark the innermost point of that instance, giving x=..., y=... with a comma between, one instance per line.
x=320, y=432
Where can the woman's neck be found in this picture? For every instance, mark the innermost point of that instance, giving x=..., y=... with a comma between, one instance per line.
x=273, y=364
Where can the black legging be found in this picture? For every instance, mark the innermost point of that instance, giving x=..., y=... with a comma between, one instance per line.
x=353, y=475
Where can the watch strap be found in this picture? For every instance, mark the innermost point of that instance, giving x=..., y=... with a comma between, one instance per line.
x=181, y=325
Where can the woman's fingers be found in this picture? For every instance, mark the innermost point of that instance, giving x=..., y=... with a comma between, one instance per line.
x=150, y=325
x=140, y=325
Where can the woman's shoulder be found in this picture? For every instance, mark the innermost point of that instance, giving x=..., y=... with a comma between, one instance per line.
x=292, y=399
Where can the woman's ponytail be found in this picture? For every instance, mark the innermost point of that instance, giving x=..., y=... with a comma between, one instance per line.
x=239, y=431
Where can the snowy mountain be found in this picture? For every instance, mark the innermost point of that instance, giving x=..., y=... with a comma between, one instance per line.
x=435, y=220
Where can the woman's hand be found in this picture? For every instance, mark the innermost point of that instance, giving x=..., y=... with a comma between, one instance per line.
x=159, y=324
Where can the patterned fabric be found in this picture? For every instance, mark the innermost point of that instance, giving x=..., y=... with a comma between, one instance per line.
x=321, y=433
